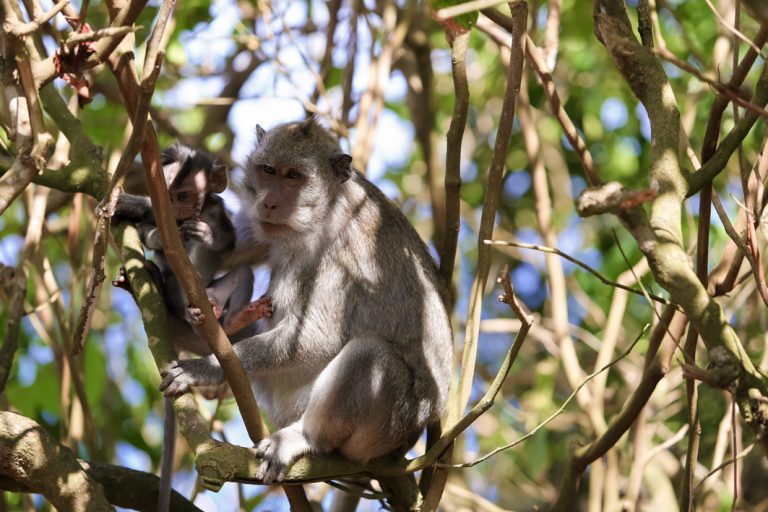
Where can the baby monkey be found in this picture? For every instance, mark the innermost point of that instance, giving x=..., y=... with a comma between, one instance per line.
x=194, y=181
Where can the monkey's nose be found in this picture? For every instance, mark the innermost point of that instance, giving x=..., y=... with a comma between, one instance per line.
x=269, y=205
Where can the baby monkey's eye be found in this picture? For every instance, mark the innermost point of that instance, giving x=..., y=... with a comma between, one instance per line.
x=182, y=196
x=269, y=169
x=293, y=174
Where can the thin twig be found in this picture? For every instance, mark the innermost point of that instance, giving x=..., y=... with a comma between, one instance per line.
x=22, y=29
x=730, y=27
x=725, y=464
x=558, y=412
x=75, y=39
x=745, y=249
x=583, y=265
x=467, y=7
x=718, y=86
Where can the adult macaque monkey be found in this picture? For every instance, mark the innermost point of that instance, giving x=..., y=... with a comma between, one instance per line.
x=357, y=354
x=193, y=181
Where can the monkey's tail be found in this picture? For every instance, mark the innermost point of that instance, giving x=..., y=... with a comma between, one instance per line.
x=169, y=447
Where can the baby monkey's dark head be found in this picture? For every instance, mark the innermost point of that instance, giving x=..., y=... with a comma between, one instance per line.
x=191, y=175
x=293, y=175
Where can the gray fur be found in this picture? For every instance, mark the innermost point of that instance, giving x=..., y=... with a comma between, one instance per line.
x=357, y=356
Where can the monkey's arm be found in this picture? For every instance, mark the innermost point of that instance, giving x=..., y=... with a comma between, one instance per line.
x=271, y=351
x=134, y=208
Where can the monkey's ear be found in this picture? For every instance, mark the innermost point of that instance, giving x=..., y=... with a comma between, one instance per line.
x=260, y=133
x=342, y=164
x=218, y=178
x=306, y=125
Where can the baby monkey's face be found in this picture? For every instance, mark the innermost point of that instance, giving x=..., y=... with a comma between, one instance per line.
x=188, y=196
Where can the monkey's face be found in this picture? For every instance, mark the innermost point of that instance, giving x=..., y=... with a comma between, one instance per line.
x=293, y=178
x=188, y=196
x=285, y=198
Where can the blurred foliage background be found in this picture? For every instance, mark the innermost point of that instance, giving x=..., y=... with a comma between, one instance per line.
x=385, y=86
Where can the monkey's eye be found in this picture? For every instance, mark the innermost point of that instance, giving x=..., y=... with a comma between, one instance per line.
x=269, y=169
x=182, y=196
x=293, y=174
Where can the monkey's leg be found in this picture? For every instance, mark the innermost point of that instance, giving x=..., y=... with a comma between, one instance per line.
x=364, y=404
x=253, y=312
x=232, y=292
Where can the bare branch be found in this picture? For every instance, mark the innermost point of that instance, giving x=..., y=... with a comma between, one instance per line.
x=493, y=188
x=467, y=7
x=75, y=39
x=22, y=29
x=454, y=137
x=602, y=278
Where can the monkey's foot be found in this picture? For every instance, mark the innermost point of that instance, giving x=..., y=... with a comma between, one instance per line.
x=215, y=392
x=180, y=376
x=217, y=311
x=121, y=280
x=278, y=451
x=256, y=310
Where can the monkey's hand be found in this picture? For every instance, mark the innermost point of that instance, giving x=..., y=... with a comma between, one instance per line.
x=179, y=376
x=197, y=230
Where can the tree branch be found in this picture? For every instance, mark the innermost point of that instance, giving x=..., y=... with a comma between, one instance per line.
x=31, y=457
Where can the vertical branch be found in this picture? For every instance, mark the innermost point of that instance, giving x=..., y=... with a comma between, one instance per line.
x=18, y=281
x=31, y=138
x=421, y=102
x=492, y=190
x=552, y=32
x=459, y=43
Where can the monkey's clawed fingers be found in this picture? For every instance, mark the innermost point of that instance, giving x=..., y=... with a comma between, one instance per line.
x=197, y=230
x=121, y=280
x=271, y=468
x=174, y=380
x=179, y=376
